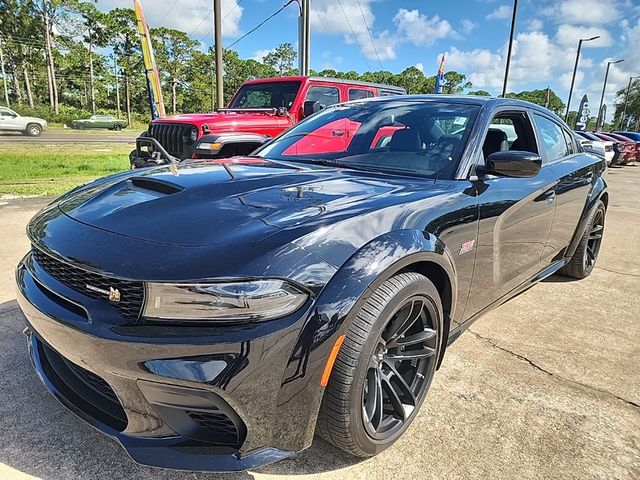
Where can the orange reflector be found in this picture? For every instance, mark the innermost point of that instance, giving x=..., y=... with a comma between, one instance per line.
x=330, y=361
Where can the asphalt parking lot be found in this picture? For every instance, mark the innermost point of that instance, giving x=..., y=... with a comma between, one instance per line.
x=547, y=386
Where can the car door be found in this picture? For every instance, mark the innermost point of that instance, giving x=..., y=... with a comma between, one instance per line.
x=515, y=215
x=9, y=120
x=575, y=177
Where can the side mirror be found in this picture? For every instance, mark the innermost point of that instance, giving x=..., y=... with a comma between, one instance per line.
x=310, y=107
x=511, y=163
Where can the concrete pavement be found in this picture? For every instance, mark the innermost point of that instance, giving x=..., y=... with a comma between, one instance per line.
x=545, y=387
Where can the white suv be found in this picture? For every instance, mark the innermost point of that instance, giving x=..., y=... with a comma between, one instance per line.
x=10, y=120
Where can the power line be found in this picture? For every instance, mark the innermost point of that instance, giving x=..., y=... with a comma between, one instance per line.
x=201, y=22
x=208, y=15
x=370, y=35
x=354, y=35
x=258, y=26
x=168, y=12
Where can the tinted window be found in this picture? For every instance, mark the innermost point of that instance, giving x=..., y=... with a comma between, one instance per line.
x=426, y=139
x=571, y=145
x=266, y=95
x=359, y=94
x=551, y=138
x=325, y=95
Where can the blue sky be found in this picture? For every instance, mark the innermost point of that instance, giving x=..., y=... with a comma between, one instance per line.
x=372, y=34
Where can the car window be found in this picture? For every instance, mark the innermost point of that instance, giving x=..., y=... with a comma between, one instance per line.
x=424, y=139
x=509, y=131
x=571, y=143
x=324, y=95
x=5, y=112
x=359, y=94
x=266, y=95
x=552, y=139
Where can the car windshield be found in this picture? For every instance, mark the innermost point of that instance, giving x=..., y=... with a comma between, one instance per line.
x=266, y=95
x=421, y=138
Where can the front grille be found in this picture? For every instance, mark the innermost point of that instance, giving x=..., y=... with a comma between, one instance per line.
x=93, y=381
x=220, y=427
x=171, y=136
x=131, y=293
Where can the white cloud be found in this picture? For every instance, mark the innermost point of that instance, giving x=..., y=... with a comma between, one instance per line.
x=420, y=66
x=569, y=35
x=535, y=24
x=420, y=29
x=583, y=12
x=500, y=13
x=186, y=15
x=467, y=26
x=260, y=54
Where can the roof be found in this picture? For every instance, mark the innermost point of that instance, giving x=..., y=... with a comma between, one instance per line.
x=346, y=81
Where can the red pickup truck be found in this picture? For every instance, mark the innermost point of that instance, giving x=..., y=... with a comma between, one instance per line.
x=260, y=110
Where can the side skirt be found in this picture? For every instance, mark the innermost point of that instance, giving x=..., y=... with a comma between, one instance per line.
x=547, y=272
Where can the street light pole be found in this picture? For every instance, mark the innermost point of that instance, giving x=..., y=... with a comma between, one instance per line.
x=513, y=28
x=217, y=28
x=604, y=87
x=626, y=100
x=575, y=70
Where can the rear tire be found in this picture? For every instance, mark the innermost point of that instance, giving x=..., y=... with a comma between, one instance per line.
x=384, y=368
x=117, y=127
x=33, y=130
x=584, y=259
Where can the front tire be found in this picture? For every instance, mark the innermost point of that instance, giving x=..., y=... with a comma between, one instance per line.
x=117, y=127
x=385, y=366
x=584, y=259
x=33, y=130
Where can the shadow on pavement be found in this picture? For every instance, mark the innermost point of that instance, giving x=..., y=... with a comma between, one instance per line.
x=41, y=438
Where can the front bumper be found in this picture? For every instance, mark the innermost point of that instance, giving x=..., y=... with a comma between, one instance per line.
x=164, y=387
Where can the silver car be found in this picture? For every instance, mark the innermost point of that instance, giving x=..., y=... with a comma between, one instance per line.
x=11, y=121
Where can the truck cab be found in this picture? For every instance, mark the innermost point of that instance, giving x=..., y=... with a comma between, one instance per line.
x=261, y=109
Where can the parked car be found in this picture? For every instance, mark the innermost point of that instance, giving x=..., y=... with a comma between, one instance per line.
x=212, y=317
x=632, y=135
x=100, y=121
x=11, y=121
x=597, y=146
x=628, y=140
x=626, y=149
x=260, y=110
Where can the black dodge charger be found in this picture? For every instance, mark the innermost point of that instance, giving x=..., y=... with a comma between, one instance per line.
x=214, y=316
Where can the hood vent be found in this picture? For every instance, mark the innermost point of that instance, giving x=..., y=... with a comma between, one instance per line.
x=155, y=185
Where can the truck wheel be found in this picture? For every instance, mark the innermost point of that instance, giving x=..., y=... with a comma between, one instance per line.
x=33, y=130
x=384, y=367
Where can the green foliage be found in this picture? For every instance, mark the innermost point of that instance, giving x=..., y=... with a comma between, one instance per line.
x=282, y=59
x=632, y=116
x=480, y=93
x=539, y=97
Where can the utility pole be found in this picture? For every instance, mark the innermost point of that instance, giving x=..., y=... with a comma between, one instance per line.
x=306, y=6
x=575, y=70
x=217, y=30
x=600, y=122
x=626, y=101
x=115, y=74
x=301, y=38
x=506, y=68
x=91, y=82
x=4, y=78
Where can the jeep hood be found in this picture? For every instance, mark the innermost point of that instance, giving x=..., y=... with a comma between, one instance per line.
x=207, y=204
x=236, y=121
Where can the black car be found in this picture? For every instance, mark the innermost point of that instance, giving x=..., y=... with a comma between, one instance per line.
x=214, y=316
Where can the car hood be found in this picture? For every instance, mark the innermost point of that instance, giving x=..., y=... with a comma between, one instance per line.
x=232, y=121
x=209, y=204
x=33, y=119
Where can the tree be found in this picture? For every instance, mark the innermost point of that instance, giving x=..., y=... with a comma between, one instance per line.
x=174, y=50
x=632, y=116
x=480, y=93
x=412, y=79
x=281, y=59
x=95, y=35
x=454, y=82
x=539, y=97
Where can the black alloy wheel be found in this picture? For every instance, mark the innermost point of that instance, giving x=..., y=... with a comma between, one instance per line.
x=584, y=259
x=117, y=127
x=385, y=366
x=398, y=368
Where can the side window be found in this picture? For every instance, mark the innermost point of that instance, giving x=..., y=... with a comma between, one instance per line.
x=552, y=139
x=359, y=94
x=571, y=142
x=325, y=95
x=509, y=131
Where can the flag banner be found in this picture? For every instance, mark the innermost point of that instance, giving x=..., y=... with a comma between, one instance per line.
x=440, y=77
x=547, y=98
x=151, y=69
x=583, y=114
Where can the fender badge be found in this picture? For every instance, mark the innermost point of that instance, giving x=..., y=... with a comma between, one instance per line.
x=467, y=246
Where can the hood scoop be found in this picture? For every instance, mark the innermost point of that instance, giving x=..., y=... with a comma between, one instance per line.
x=156, y=185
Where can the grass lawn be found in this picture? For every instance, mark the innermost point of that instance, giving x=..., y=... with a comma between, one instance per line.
x=52, y=169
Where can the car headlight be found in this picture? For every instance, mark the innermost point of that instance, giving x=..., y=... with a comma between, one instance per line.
x=211, y=146
x=253, y=300
x=193, y=135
